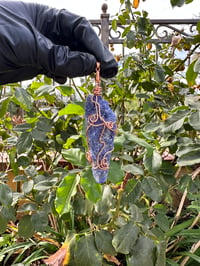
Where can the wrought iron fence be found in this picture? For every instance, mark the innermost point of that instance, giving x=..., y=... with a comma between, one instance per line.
x=163, y=29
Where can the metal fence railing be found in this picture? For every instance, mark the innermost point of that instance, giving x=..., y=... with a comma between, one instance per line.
x=163, y=29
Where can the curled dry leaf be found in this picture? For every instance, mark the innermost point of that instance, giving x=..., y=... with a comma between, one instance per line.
x=112, y=259
x=60, y=258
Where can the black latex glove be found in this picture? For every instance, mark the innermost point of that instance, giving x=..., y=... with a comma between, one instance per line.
x=36, y=39
x=109, y=66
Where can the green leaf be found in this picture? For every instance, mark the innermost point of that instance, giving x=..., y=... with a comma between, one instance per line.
x=24, y=143
x=161, y=253
x=191, y=75
x=194, y=120
x=31, y=171
x=159, y=74
x=39, y=135
x=122, y=19
x=106, y=202
x=44, y=185
x=190, y=232
x=175, y=121
x=119, y=142
x=127, y=157
x=70, y=141
x=72, y=109
x=36, y=255
x=142, y=253
x=64, y=193
x=23, y=99
x=143, y=25
x=152, y=161
x=115, y=173
x=80, y=206
x=190, y=158
x=66, y=90
x=40, y=178
x=40, y=221
x=194, y=207
x=114, y=24
x=93, y=190
x=191, y=255
x=27, y=207
x=124, y=239
x=23, y=127
x=36, y=84
x=134, y=169
x=12, y=158
x=6, y=195
x=130, y=39
x=9, y=213
x=16, y=247
x=139, y=141
x=147, y=86
x=4, y=106
x=162, y=221
x=27, y=186
x=25, y=227
x=75, y=156
x=135, y=213
x=197, y=66
x=103, y=241
x=188, y=1
x=186, y=148
x=177, y=228
x=44, y=124
x=178, y=3
x=3, y=224
x=23, y=161
x=170, y=141
x=198, y=25
x=86, y=253
x=44, y=90
x=152, y=188
x=125, y=32
x=133, y=190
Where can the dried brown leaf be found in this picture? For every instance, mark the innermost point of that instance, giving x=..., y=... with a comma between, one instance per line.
x=111, y=258
x=60, y=258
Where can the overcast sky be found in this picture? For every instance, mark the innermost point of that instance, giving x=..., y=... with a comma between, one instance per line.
x=156, y=8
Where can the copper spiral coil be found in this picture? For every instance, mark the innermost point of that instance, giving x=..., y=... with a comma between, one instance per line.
x=99, y=163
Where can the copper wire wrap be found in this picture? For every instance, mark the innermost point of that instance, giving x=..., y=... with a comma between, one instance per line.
x=97, y=91
x=96, y=120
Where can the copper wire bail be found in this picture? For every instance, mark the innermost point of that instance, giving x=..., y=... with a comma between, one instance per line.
x=97, y=89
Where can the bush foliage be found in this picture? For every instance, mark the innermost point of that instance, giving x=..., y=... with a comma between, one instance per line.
x=147, y=213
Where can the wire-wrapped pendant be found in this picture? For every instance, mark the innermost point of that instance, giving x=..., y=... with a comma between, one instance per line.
x=100, y=131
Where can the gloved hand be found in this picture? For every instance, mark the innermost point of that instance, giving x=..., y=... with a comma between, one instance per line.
x=78, y=34
x=36, y=39
x=109, y=66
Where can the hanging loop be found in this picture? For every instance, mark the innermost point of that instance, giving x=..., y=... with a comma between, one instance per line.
x=98, y=73
x=97, y=89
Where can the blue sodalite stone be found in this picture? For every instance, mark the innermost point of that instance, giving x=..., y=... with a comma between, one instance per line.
x=100, y=132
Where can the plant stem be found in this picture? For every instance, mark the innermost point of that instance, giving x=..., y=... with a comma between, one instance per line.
x=116, y=214
x=192, y=250
x=77, y=90
x=52, y=220
x=196, y=220
x=186, y=58
x=177, y=216
x=175, y=242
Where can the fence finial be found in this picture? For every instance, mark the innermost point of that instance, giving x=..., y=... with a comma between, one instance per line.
x=105, y=24
x=104, y=8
